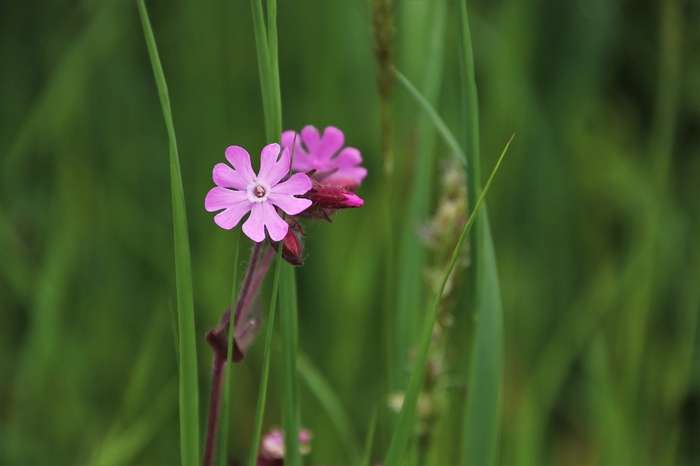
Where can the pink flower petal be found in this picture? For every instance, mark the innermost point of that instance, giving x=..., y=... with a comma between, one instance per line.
x=348, y=177
x=226, y=177
x=276, y=227
x=299, y=183
x=254, y=227
x=271, y=169
x=311, y=138
x=331, y=142
x=240, y=159
x=301, y=161
x=221, y=198
x=348, y=157
x=230, y=217
x=289, y=204
x=289, y=137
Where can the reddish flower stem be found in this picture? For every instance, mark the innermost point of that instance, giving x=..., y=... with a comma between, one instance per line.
x=257, y=268
x=214, y=408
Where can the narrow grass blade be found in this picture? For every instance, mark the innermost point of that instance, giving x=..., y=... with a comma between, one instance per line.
x=266, y=45
x=275, y=92
x=262, y=389
x=323, y=391
x=407, y=416
x=222, y=458
x=290, y=399
x=484, y=396
x=481, y=418
x=369, y=441
x=412, y=253
x=264, y=69
x=123, y=446
x=430, y=111
x=189, y=391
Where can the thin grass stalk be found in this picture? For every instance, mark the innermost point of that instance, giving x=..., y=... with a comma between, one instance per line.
x=222, y=459
x=266, y=45
x=404, y=426
x=262, y=388
x=411, y=260
x=434, y=117
x=482, y=410
x=290, y=408
x=187, y=366
x=383, y=29
x=264, y=67
x=272, y=43
x=661, y=151
x=369, y=441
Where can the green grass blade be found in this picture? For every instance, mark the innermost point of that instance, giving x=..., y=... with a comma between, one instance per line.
x=222, y=459
x=123, y=446
x=264, y=68
x=275, y=91
x=187, y=366
x=412, y=253
x=266, y=45
x=323, y=391
x=430, y=111
x=262, y=389
x=290, y=394
x=407, y=416
x=483, y=403
x=481, y=418
x=369, y=441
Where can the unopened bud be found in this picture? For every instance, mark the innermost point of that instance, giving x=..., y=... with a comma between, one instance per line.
x=327, y=198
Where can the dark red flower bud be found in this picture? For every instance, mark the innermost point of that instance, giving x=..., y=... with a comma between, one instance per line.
x=333, y=197
x=292, y=248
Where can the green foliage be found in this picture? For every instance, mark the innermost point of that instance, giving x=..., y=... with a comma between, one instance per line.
x=187, y=341
x=593, y=222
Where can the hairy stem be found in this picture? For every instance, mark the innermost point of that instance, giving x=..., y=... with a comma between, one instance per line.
x=258, y=266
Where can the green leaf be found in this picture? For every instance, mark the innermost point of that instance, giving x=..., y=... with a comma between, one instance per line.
x=369, y=441
x=323, y=391
x=410, y=289
x=262, y=389
x=290, y=393
x=407, y=416
x=222, y=458
x=481, y=418
x=187, y=367
x=432, y=114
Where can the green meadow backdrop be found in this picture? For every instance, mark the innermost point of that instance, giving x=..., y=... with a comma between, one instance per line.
x=594, y=216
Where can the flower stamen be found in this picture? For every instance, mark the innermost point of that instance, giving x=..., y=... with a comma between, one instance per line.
x=259, y=191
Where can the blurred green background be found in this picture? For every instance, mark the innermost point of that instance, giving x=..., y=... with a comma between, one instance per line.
x=595, y=218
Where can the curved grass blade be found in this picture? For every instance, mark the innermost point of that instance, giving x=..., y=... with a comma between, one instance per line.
x=407, y=416
x=262, y=389
x=331, y=403
x=187, y=360
x=123, y=446
x=430, y=111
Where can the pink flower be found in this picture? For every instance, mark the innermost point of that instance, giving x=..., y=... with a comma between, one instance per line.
x=239, y=191
x=325, y=156
x=272, y=447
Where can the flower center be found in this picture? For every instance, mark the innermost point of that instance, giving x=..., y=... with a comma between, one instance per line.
x=259, y=191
